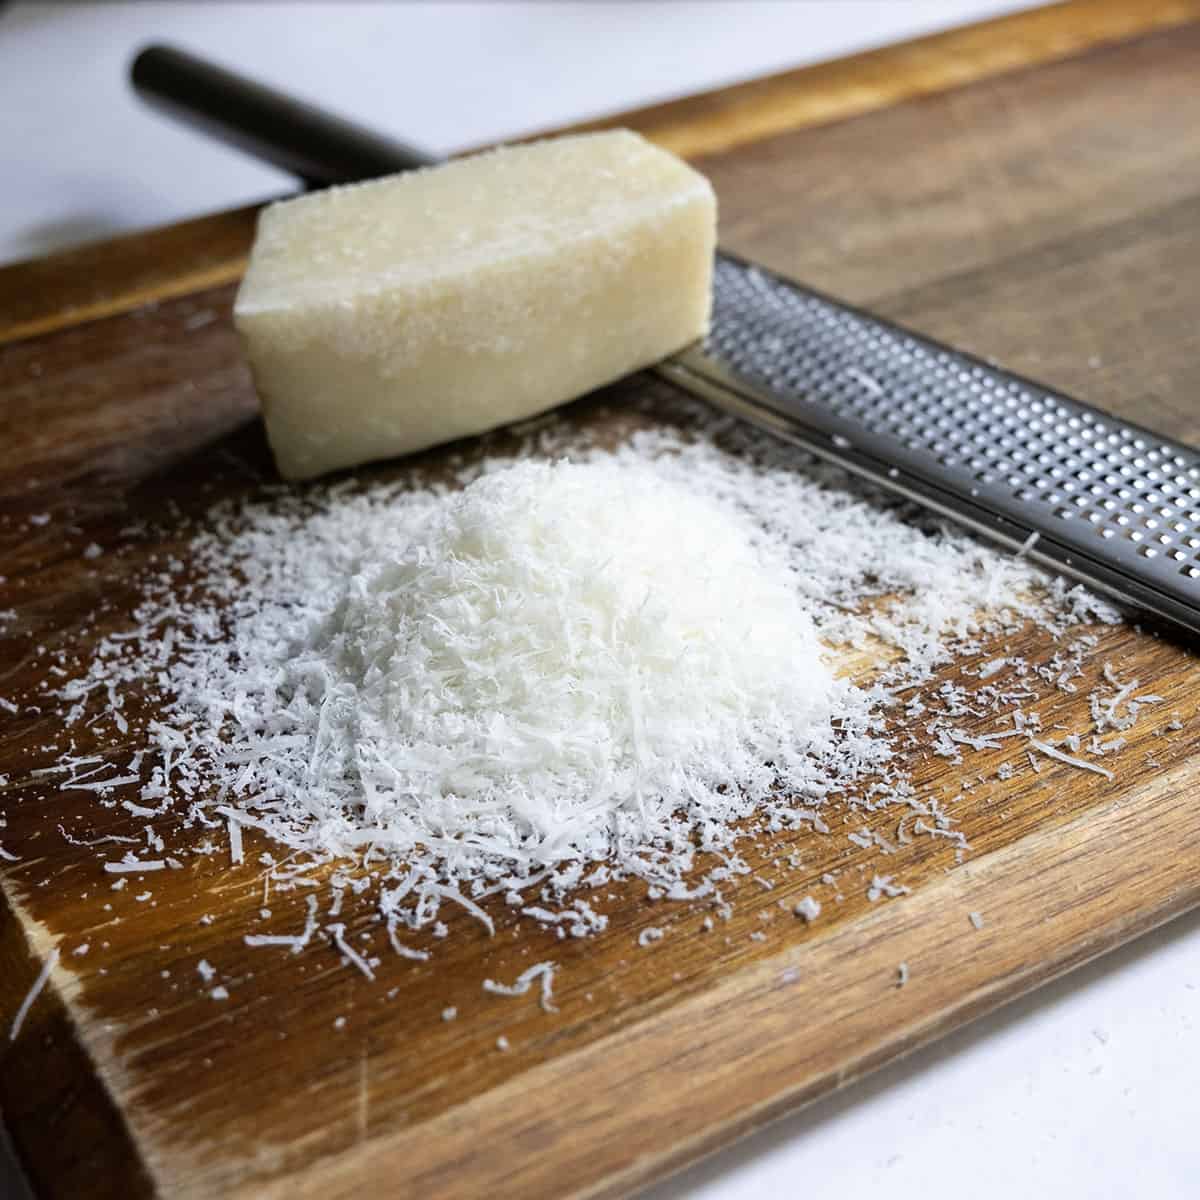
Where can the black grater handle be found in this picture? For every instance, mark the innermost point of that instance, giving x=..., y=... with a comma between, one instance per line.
x=313, y=145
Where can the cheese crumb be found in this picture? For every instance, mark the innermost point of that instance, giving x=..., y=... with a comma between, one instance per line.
x=883, y=885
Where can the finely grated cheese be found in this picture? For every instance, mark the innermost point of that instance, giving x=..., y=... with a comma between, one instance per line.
x=576, y=665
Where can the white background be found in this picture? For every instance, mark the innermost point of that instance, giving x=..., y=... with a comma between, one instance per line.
x=1086, y=1089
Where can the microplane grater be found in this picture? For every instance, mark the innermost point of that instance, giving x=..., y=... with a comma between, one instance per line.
x=1077, y=490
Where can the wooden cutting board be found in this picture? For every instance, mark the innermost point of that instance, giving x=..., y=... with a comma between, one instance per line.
x=1027, y=189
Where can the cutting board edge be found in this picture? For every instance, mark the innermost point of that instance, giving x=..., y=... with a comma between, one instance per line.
x=735, y=1044
x=53, y=1026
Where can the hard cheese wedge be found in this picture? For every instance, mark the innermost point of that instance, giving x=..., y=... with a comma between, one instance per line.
x=383, y=317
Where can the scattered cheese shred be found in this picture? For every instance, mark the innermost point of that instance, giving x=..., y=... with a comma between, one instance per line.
x=295, y=941
x=543, y=971
x=337, y=933
x=235, y=840
x=458, y=898
x=131, y=865
x=405, y=951
x=1053, y=752
x=51, y=961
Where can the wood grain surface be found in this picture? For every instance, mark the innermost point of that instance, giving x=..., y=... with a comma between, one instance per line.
x=1040, y=216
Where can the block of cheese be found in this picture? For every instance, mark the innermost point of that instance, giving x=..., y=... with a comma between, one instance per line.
x=380, y=318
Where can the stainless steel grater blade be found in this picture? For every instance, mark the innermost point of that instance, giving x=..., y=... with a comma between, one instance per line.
x=1093, y=497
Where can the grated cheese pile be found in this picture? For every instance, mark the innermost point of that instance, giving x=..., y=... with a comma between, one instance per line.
x=581, y=664
x=559, y=656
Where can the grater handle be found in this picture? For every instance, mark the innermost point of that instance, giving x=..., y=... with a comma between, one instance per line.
x=317, y=147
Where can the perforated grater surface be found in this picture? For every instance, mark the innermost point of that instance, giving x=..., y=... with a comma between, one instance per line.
x=1084, y=493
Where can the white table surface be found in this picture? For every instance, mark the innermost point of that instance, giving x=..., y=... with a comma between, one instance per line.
x=1087, y=1088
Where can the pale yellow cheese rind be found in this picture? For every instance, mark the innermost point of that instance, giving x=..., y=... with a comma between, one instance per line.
x=384, y=317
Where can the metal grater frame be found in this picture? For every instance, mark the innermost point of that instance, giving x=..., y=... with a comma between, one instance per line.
x=1084, y=493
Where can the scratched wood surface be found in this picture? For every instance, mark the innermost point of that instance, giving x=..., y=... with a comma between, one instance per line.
x=1040, y=214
